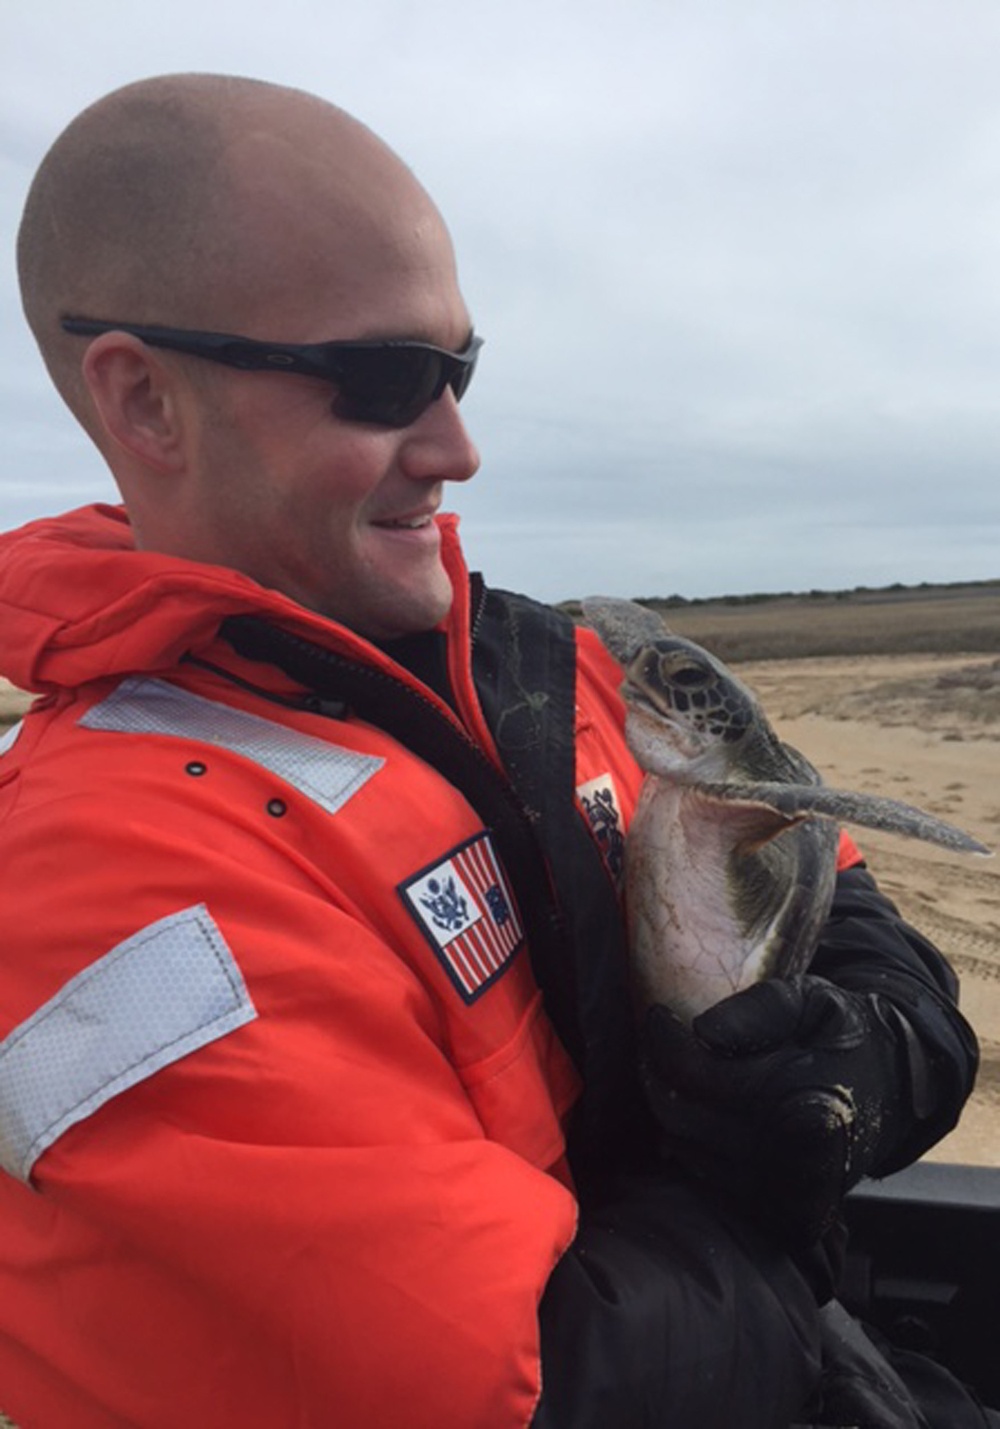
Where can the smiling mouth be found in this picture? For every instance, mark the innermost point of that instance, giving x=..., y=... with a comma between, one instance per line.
x=405, y=523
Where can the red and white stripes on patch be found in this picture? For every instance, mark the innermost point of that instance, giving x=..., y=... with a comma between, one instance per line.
x=464, y=906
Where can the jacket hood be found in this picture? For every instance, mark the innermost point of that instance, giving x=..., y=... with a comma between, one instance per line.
x=78, y=602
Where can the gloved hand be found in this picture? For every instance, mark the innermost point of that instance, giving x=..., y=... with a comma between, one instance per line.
x=786, y=1094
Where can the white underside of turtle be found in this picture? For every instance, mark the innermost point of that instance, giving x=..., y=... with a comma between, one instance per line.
x=722, y=919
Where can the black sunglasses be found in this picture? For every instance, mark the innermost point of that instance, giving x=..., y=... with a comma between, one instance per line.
x=387, y=382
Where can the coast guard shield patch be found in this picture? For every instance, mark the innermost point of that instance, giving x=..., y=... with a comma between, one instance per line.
x=599, y=800
x=465, y=910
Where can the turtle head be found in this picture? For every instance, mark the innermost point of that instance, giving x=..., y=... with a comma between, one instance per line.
x=685, y=708
x=687, y=713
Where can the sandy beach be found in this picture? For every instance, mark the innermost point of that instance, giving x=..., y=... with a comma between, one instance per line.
x=924, y=728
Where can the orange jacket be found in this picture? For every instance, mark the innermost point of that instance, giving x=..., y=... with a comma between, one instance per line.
x=287, y=1142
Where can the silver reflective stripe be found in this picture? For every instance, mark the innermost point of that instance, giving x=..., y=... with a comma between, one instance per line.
x=323, y=772
x=7, y=740
x=164, y=992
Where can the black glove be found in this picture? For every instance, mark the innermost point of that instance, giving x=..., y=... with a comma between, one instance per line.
x=786, y=1094
x=670, y=1309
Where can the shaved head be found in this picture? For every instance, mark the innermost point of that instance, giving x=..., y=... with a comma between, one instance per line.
x=206, y=201
x=230, y=205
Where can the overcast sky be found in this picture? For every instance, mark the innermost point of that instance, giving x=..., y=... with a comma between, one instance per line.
x=737, y=264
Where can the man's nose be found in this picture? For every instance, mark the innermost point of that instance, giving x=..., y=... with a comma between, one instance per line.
x=438, y=446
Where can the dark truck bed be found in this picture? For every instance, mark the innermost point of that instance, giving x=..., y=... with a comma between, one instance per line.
x=924, y=1266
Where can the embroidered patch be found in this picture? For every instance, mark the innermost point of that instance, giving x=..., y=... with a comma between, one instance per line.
x=600, y=804
x=465, y=910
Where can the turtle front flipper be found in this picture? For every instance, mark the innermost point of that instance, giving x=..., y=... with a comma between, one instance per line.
x=871, y=811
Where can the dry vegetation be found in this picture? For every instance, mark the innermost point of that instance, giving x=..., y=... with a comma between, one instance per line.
x=896, y=621
x=942, y=620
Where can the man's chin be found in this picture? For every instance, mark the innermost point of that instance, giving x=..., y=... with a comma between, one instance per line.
x=403, y=612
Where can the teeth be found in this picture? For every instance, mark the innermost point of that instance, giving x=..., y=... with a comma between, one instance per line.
x=408, y=525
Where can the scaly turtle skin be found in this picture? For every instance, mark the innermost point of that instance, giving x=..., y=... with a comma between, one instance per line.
x=730, y=860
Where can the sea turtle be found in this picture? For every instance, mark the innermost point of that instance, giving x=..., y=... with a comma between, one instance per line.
x=731, y=856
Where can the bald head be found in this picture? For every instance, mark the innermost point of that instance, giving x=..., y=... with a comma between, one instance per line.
x=205, y=201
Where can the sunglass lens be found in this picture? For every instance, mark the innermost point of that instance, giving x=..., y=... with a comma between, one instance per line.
x=389, y=386
x=460, y=377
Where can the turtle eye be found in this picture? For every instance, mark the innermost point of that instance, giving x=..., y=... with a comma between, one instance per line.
x=690, y=677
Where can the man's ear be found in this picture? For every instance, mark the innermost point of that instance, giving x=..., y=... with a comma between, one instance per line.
x=136, y=397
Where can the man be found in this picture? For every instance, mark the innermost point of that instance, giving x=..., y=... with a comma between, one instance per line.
x=319, y=1093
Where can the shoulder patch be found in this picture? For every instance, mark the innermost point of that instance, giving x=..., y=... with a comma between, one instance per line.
x=164, y=992
x=324, y=772
x=464, y=908
x=599, y=799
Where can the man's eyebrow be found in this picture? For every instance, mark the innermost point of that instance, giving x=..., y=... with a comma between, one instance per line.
x=414, y=335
